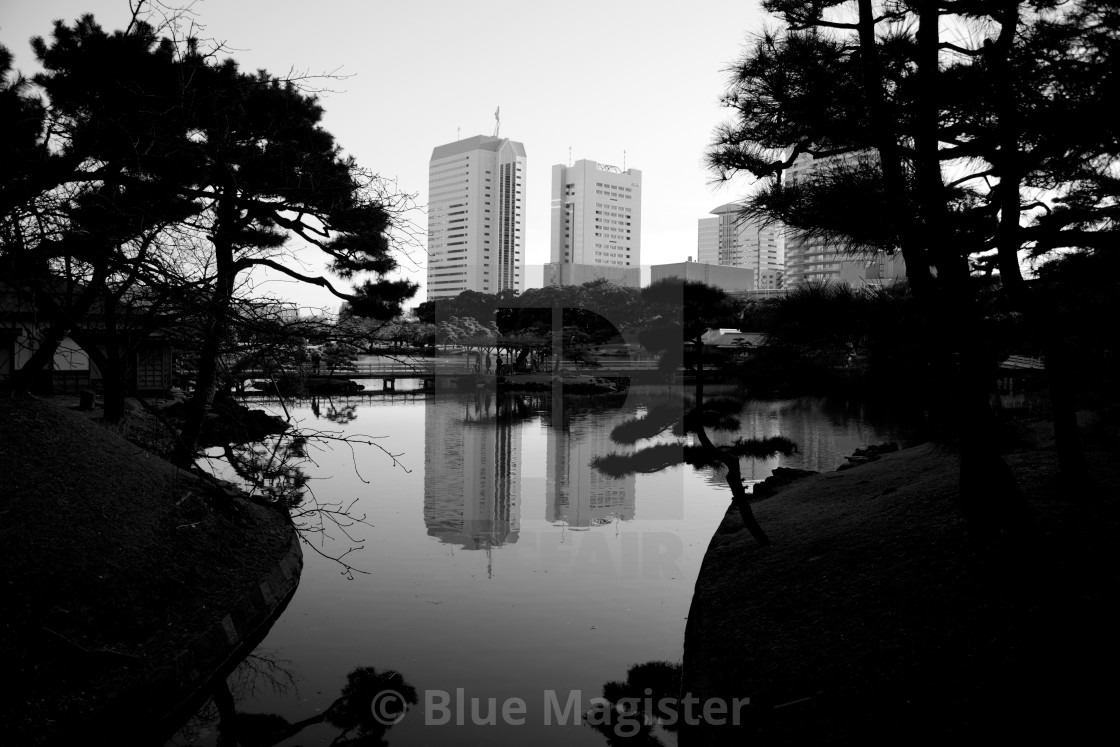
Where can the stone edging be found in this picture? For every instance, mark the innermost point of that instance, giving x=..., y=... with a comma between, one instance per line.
x=163, y=693
x=210, y=652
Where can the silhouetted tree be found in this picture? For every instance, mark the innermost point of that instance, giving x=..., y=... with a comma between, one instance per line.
x=963, y=137
x=80, y=229
x=163, y=134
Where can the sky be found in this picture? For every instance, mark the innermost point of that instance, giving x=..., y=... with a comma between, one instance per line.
x=623, y=82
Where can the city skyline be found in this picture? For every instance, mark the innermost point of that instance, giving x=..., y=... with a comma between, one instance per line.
x=647, y=94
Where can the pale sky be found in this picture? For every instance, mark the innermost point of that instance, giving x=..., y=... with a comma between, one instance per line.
x=599, y=78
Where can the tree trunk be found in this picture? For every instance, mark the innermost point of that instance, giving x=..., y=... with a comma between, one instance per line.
x=34, y=375
x=1071, y=454
x=215, y=329
x=990, y=497
x=114, y=384
x=115, y=380
x=227, y=714
x=734, y=477
x=62, y=318
x=885, y=137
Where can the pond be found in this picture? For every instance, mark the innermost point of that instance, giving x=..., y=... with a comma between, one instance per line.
x=496, y=565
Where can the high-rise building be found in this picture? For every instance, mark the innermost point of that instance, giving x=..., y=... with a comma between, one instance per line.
x=476, y=217
x=729, y=239
x=596, y=222
x=813, y=259
x=707, y=240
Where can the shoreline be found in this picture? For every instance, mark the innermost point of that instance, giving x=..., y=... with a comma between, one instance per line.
x=877, y=617
x=131, y=583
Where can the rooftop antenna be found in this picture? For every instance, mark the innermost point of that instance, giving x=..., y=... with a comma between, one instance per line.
x=497, y=120
x=569, y=156
x=624, y=160
x=457, y=131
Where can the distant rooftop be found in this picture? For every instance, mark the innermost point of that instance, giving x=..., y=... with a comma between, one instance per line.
x=478, y=142
x=731, y=207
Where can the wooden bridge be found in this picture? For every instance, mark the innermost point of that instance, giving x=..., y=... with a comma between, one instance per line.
x=428, y=369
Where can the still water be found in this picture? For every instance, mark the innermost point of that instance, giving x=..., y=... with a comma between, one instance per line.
x=497, y=566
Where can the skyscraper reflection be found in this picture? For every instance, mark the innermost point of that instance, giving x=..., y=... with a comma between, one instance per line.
x=577, y=494
x=472, y=459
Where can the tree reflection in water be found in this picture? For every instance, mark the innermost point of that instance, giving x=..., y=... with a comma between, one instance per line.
x=639, y=707
x=680, y=420
x=371, y=702
x=273, y=472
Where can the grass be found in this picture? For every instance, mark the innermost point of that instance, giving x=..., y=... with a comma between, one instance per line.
x=877, y=617
x=111, y=559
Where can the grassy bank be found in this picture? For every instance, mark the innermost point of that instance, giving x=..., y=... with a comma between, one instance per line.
x=112, y=560
x=877, y=617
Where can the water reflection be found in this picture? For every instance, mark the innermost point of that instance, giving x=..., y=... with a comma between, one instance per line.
x=507, y=473
x=644, y=709
x=472, y=460
x=337, y=412
x=825, y=431
x=576, y=494
x=370, y=704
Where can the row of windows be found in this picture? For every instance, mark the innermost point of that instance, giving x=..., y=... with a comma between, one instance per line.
x=444, y=193
x=450, y=162
x=456, y=178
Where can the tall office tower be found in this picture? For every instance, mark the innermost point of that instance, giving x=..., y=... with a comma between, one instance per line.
x=815, y=260
x=476, y=217
x=596, y=223
x=727, y=239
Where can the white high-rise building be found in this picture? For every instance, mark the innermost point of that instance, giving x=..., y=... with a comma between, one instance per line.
x=476, y=217
x=728, y=239
x=597, y=219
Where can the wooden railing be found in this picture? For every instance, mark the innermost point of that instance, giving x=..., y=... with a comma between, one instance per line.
x=455, y=364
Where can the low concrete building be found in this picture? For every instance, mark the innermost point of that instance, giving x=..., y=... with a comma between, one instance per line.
x=568, y=273
x=730, y=279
